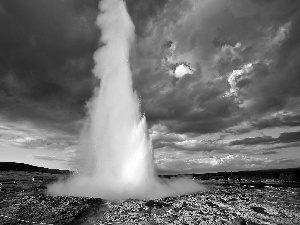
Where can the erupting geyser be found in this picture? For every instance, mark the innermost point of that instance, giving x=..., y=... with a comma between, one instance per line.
x=115, y=159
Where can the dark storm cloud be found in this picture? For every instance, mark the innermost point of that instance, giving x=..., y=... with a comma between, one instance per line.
x=272, y=86
x=160, y=141
x=269, y=153
x=190, y=106
x=255, y=141
x=46, y=50
x=289, y=137
x=272, y=89
x=186, y=146
x=283, y=138
x=46, y=57
x=225, y=36
x=141, y=11
x=284, y=146
x=279, y=121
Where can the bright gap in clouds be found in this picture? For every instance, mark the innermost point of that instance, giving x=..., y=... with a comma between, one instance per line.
x=182, y=70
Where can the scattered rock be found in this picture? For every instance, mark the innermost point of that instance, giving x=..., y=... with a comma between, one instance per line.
x=239, y=221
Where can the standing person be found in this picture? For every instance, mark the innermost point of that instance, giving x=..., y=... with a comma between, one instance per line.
x=232, y=177
x=240, y=180
x=226, y=176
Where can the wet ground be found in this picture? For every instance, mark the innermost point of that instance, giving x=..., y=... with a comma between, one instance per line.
x=220, y=205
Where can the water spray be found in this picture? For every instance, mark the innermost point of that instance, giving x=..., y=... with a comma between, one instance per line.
x=115, y=159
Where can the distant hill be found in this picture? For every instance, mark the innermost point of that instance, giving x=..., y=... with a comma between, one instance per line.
x=7, y=166
x=272, y=173
x=256, y=172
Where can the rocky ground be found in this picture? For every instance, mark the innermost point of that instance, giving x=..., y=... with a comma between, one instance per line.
x=220, y=205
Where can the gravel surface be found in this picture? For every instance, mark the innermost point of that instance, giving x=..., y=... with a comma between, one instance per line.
x=220, y=205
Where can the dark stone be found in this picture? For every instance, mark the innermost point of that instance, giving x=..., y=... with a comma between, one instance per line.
x=259, y=210
x=239, y=221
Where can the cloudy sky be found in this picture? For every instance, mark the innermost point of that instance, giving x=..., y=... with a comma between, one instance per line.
x=219, y=81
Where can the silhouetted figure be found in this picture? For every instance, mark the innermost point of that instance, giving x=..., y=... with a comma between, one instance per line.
x=232, y=177
x=240, y=180
x=260, y=178
x=226, y=176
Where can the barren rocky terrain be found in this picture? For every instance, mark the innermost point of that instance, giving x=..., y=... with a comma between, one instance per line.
x=221, y=205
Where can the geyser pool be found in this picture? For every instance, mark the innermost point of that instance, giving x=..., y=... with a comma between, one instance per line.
x=115, y=159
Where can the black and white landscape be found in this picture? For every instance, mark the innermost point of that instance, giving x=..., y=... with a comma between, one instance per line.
x=132, y=111
x=262, y=197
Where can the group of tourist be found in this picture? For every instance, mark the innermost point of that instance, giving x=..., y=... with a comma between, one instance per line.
x=231, y=176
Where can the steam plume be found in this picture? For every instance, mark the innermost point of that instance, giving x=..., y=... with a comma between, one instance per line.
x=116, y=159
